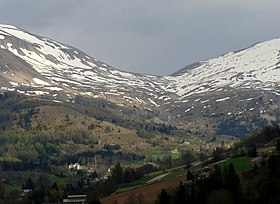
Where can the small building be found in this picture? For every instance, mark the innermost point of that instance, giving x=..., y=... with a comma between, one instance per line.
x=76, y=166
x=25, y=192
x=109, y=170
x=105, y=177
x=75, y=199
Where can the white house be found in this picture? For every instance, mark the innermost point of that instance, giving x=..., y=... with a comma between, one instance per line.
x=76, y=166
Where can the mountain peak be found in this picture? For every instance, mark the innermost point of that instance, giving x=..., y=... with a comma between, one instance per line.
x=64, y=66
x=255, y=67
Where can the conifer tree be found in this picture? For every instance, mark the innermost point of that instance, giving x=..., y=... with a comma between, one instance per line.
x=164, y=197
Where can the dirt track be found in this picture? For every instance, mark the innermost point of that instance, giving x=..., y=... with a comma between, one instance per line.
x=150, y=192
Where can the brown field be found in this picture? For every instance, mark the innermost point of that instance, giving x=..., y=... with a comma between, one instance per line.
x=150, y=192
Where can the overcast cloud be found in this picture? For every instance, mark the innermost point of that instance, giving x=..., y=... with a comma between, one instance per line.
x=148, y=36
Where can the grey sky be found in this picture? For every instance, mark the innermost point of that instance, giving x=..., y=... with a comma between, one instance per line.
x=148, y=36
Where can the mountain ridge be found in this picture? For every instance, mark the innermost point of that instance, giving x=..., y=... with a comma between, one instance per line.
x=36, y=65
x=49, y=56
x=56, y=62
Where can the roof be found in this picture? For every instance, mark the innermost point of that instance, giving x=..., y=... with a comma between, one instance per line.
x=77, y=196
x=74, y=200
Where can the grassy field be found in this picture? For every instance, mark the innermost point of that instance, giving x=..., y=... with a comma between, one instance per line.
x=138, y=183
x=241, y=164
x=154, y=153
x=18, y=178
x=173, y=173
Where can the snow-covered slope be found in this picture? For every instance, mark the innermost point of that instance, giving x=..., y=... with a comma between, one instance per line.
x=41, y=63
x=68, y=68
x=257, y=67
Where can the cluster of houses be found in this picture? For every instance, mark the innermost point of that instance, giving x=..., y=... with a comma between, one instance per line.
x=89, y=169
x=77, y=166
x=77, y=199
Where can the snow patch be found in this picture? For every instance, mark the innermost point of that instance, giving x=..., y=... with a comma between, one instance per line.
x=38, y=92
x=204, y=101
x=222, y=99
x=21, y=92
x=154, y=103
x=56, y=101
x=14, y=83
x=54, y=88
x=40, y=82
x=7, y=26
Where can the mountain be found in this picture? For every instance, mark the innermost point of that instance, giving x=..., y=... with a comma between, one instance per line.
x=257, y=67
x=55, y=66
x=232, y=94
